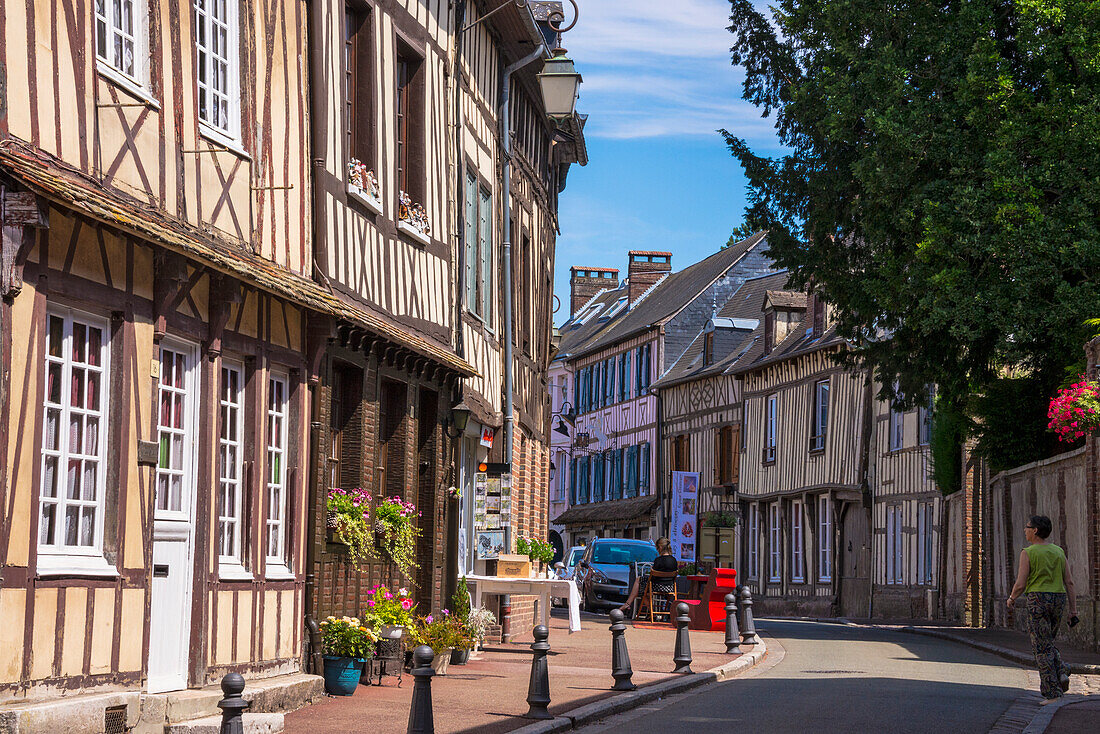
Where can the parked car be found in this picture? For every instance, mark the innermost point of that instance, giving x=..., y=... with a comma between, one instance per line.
x=603, y=573
x=565, y=568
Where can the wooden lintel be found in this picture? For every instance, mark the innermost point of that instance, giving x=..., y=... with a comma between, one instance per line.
x=24, y=209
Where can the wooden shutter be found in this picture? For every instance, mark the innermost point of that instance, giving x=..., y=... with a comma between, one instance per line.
x=735, y=454
x=769, y=332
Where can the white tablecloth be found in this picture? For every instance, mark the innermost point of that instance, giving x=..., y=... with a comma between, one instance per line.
x=542, y=588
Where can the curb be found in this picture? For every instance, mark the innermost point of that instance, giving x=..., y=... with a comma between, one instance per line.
x=603, y=708
x=1046, y=713
x=1015, y=656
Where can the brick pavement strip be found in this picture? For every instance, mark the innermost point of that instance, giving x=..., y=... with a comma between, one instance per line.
x=488, y=695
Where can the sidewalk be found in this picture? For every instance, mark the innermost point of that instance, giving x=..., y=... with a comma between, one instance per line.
x=488, y=695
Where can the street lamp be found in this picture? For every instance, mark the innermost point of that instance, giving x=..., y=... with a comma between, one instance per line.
x=559, y=80
x=460, y=417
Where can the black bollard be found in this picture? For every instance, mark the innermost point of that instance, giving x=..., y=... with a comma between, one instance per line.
x=733, y=636
x=420, y=713
x=620, y=658
x=748, y=627
x=232, y=705
x=682, y=654
x=538, y=690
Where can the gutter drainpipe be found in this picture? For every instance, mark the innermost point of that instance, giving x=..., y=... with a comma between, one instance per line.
x=506, y=135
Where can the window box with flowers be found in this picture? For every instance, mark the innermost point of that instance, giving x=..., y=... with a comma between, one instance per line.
x=363, y=186
x=1075, y=410
x=413, y=220
x=348, y=522
x=395, y=535
x=347, y=645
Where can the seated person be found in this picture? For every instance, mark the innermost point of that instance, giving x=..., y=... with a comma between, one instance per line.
x=663, y=575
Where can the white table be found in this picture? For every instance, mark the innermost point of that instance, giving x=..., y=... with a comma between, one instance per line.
x=542, y=588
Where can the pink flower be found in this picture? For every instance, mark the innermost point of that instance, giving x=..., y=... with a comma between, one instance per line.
x=428, y=619
x=387, y=595
x=406, y=604
x=370, y=603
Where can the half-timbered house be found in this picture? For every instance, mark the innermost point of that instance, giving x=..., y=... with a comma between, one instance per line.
x=157, y=287
x=701, y=422
x=617, y=343
x=410, y=222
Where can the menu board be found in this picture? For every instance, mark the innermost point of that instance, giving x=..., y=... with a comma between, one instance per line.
x=684, y=530
x=492, y=511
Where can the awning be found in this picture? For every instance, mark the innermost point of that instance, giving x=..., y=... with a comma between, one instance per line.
x=64, y=185
x=634, y=508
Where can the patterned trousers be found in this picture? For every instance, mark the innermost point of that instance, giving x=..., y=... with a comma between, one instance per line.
x=1044, y=614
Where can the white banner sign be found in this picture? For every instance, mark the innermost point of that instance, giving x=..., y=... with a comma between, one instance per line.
x=684, y=532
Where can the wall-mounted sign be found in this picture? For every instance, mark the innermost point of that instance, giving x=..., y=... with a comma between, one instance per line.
x=492, y=498
x=487, y=437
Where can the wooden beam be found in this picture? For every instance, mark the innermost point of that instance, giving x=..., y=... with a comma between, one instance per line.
x=24, y=209
x=169, y=277
x=224, y=291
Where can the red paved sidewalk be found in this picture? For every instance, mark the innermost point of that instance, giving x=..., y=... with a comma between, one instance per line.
x=488, y=695
x=1075, y=718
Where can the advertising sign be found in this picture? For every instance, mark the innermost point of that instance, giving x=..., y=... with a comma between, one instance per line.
x=684, y=532
x=487, y=437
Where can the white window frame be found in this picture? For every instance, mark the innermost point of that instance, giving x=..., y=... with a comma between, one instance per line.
x=798, y=559
x=276, y=495
x=187, y=433
x=562, y=471
x=205, y=60
x=57, y=557
x=771, y=420
x=894, y=547
x=824, y=539
x=820, y=415
x=104, y=22
x=925, y=546
x=231, y=415
x=897, y=429
x=754, y=541
x=775, y=539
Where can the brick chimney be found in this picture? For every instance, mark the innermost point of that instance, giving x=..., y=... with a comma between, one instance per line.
x=587, y=282
x=645, y=269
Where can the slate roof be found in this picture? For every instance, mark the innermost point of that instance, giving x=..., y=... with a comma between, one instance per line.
x=660, y=302
x=797, y=343
x=730, y=344
x=62, y=184
x=633, y=508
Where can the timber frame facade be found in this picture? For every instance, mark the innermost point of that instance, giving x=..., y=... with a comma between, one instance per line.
x=157, y=285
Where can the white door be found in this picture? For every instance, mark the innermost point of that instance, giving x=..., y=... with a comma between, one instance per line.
x=173, y=519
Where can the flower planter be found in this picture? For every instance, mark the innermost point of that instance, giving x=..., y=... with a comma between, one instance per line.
x=391, y=632
x=342, y=675
x=441, y=660
x=460, y=657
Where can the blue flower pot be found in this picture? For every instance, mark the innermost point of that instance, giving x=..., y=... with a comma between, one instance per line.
x=341, y=675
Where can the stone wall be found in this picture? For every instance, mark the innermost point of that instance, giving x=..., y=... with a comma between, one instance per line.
x=1059, y=488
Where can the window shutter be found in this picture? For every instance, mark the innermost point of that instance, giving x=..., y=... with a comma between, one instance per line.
x=719, y=458
x=769, y=332
x=644, y=464
x=572, y=482
x=628, y=386
x=735, y=455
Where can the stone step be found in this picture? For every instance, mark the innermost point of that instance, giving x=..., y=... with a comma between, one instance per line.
x=253, y=724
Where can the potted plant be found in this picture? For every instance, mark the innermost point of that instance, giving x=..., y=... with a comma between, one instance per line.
x=391, y=612
x=536, y=550
x=477, y=625
x=460, y=614
x=346, y=646
x=438, y=633
x=349, y=521
x=395, y=534
x=1075, y=410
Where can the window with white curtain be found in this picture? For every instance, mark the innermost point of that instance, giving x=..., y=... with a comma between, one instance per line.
x=71, y=490
x=217, y=65
x=119, y=36
x=277, y=418
x=894, y=548
x=230, y=463
x=775, y=552
x=824, y=539
x=770, y=418
x=798, y=561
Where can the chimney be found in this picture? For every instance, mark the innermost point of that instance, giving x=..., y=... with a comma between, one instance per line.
x=587, y=282
x=645, y=269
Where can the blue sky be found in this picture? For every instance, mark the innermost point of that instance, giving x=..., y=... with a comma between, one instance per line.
x=658, y=83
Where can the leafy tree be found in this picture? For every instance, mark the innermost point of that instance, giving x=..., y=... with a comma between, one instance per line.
x=941, y=180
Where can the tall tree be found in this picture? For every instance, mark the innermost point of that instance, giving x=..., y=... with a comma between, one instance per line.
x=740, y=232
x=942, y=179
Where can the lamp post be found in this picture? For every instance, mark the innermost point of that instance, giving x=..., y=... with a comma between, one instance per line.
x=563, y=97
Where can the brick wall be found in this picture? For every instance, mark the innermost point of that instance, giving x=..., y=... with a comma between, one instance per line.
x=333, y=584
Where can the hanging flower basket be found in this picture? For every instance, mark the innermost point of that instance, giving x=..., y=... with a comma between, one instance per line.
x=348, y=522
x=395, y=535
x=1075, y=410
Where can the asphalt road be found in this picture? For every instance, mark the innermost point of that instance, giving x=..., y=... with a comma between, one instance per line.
x=834, y=678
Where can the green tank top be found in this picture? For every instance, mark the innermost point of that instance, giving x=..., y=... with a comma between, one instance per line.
x=1048, y=565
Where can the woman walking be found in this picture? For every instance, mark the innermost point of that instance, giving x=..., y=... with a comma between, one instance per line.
x=1045, y=577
